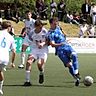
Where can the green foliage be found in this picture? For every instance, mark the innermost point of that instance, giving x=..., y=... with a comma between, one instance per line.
x=72, y=5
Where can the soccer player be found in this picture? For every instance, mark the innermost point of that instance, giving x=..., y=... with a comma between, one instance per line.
x=39, y=51
x=7, y=43
x=29, y=25
x=64, y=51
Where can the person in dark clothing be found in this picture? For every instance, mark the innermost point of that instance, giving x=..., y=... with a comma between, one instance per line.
x=61, y=10
x=86, y=9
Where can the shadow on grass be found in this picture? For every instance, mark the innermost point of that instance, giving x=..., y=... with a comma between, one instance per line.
x=64, y=85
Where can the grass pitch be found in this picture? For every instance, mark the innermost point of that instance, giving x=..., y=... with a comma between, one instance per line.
x=58, y=81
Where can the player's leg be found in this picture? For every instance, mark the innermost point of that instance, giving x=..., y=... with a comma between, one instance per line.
x=74, y=58
x=24, y=47
x=41, y=63
x=65, y=58
x=28, y=70
x=2, y=66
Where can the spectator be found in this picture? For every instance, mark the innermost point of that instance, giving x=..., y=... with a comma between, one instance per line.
x=91, y=31
x=43, y=12
x=61, y=10
x=83, y=30
x=8, y=13
x=53, y=7
x=70, y=19
x=93, y=13
x=16, y=15
x=86, y=10
x=39, y=7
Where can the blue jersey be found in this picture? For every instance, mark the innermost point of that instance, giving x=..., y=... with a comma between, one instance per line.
x=57, y=36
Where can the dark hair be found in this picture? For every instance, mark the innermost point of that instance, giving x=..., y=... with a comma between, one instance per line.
x=28, y=11
x=53, y=19
x=6, y=24
x=38, y=23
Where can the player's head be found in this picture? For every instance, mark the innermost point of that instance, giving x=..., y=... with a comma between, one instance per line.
x=28, y=14
x=6, y=24
x=38, y=25
x=53, y=22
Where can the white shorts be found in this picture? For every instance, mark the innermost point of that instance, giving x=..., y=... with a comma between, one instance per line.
x=26, y=41
x=39, y=54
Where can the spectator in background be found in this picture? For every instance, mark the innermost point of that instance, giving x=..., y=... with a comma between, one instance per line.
x=61, y=10
x=83, y=30
x=86, y=10
x=16, y=15
x=39, y=7
x=53, y=7
x=44, y=10
x=70, y=18
x=8, y=13
x=91, y=31
x=93, y=13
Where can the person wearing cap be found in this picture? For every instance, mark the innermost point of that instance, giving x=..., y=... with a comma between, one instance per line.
x=39, y=51
x=7, y=43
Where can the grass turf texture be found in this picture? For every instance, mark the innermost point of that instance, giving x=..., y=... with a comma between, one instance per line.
x=58, y=82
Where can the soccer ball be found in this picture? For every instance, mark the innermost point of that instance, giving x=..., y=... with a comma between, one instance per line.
x=88, y=81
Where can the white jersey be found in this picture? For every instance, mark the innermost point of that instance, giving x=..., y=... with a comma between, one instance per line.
x=29, y=24
x=7, y=43
x=38, y=37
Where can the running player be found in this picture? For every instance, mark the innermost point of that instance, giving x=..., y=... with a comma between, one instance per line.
x=64, y=51
x=39, y=51
x=7, y=43
x=29, y=25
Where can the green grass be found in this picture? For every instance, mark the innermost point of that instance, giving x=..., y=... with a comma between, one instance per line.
x=58, y=82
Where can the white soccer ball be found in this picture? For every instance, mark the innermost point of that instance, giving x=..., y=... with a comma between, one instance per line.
x=88, y=81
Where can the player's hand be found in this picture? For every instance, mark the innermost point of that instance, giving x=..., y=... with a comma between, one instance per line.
x=40, y=45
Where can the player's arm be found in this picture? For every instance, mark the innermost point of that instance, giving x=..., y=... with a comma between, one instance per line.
x=53, y=44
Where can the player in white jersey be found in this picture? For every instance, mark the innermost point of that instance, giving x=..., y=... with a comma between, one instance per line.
x=29, y=25
x=39, y=51
x=7, y=43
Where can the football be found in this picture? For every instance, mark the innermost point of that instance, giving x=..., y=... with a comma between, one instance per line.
x=88, y=81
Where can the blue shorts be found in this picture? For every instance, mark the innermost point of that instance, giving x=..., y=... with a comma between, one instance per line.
x=65, y=54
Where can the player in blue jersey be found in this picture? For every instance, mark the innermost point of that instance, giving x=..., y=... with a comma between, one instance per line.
x=63, y=50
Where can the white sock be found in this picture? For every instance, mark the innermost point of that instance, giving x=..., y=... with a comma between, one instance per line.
x=1, y=84
x=27, y=76
x=23, y=58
